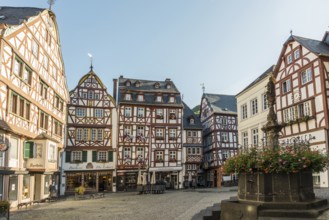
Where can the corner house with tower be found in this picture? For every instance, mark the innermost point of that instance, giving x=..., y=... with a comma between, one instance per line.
x=33, y=97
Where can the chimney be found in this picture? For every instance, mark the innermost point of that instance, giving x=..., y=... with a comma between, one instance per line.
x=115, y=87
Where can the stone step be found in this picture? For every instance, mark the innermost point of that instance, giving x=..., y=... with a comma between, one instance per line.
x=293, y=213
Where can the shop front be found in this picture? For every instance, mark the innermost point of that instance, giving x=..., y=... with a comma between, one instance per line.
x=127, y=181
x=93, y=181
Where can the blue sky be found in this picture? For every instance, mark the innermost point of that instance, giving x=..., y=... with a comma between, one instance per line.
x=223, y=44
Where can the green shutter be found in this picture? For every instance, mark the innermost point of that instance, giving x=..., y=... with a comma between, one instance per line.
x=67, y=156
x=28, y=150
x=110, y=156
x=84, y=156
x=94, y=156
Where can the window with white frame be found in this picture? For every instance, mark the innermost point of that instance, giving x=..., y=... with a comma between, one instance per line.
x=99, y=134
x=85, y=134
x=51, y=153
x=254, y=106
x=101, y=155
x=93, y=134
x=76, y=156
x=35, y=48
x=172, y=133
x=286, y=86
x=306, y=76
x=265, y=101
x=159, y=113
x=97, y=95
x=99, y=113
x=127, y=130
x=79, y=134
x=128, y=112
x=224, y=136
x=159, y=155
x=297, y=111
x=140, y=130
x=225, y=154
x=172, y=114
x=159, y=133
x=140, y=152
x=127, y=97
x=254, y=133
x=158, y=98
x=171, y=99
x=43, y=89
x=80, y=112
x=140, y=98
x=90, y=94
x=43, y=120
x=245, y=138
x=172, y=155
x=244, y=111
x=126, y=152
x=140, y=112
x=296, y=54
x=20, y=106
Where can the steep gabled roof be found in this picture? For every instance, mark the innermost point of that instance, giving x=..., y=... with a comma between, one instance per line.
x=187, y=115
x=318, y=47
x=16, y=15
x=224, y=104
x=262, y=76
x=83, y=78
x=150, y=90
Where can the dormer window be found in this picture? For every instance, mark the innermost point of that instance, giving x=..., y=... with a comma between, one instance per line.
x=140, y=98
x=128, y=97
x=128, y=83
x=137, y=84
x=156, y=85
x=168, y=86
x=192, y=121
x=171, y=99
x=158, y=98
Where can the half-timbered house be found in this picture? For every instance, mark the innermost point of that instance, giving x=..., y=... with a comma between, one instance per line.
x=150, y=132
x=302, y=88
x=88, y=159
x=253, y=110
x=218, y=114
x=192, y=149
x=33, y=96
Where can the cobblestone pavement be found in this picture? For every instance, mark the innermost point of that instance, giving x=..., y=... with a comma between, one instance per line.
x=172, y=205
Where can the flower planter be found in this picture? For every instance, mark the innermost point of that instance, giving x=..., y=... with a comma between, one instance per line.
x=276, y=187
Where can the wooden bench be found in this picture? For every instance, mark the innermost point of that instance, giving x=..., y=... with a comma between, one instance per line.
x=97, y=195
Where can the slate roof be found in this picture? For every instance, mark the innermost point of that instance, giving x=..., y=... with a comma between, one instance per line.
x=224, y=104
x=187, y=114
x=262, y=76
x=147, y=88
x=16, y=15
x=318, y=47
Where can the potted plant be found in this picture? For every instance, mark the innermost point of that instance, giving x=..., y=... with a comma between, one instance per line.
x=276, y=167
x=4, y=209
x=79, y=192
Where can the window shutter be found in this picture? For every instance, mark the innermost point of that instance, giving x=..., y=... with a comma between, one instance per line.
x=84, y=156
x=110, y=156
x=67, y=156
x=28, y=150
x=94, y=156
